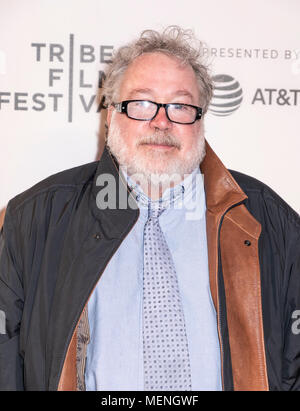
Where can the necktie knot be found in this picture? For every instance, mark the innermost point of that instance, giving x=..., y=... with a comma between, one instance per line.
x=155, y=211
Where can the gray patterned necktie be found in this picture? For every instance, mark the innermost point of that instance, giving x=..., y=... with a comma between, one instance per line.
x=166, y=356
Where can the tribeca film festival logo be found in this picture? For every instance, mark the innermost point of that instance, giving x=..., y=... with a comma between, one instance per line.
x=63, y=73
x=227, y=99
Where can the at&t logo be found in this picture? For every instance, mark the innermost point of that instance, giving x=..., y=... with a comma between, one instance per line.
x=227, y=97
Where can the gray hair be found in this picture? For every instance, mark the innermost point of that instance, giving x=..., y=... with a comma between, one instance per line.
x=174, y=42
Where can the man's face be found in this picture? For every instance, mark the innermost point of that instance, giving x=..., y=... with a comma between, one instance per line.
x=158, y=146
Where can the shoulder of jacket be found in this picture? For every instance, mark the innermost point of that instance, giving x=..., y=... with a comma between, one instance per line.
x=260, y=192
x=70, y=179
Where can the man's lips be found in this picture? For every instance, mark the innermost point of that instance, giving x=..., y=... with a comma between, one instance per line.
x=160, y=146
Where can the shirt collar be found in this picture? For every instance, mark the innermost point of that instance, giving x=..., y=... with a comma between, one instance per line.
x=171, y=197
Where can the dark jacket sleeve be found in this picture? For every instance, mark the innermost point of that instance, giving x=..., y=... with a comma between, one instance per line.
x=291, y=306
x=11, y=307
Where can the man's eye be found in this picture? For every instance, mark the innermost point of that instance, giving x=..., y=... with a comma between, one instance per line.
x=141, y=104
x=179, y=107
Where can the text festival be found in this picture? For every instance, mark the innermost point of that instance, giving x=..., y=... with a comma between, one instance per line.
x=62, y=75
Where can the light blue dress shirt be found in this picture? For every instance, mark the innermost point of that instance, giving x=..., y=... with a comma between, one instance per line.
x=115, y=352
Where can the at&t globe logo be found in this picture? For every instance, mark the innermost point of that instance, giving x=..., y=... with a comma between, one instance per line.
x=227, y=96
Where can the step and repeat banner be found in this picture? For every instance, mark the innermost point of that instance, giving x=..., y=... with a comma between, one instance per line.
x=52, y=60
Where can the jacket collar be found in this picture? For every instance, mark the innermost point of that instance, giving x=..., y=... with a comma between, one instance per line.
x=221, y=189
x=109, y=186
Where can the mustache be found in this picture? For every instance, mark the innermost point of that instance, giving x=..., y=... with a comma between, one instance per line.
x=161, y=139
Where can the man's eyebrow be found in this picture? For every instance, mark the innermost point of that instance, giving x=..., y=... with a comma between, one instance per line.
x=183, y=92
x=136, y=91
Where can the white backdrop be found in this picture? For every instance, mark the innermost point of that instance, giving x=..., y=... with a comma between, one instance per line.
x=51, y=53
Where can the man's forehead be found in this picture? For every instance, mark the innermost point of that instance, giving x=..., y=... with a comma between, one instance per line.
x=157, y=62
x=158, y=74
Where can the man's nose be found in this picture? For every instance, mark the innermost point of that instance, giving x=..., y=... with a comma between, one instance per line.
x=161, y=120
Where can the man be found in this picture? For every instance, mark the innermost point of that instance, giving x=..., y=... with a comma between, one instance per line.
x=113, y=277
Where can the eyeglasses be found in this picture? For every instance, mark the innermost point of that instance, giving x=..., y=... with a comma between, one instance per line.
x=145, y=110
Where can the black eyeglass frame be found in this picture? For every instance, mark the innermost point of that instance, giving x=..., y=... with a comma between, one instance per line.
x=122, y=108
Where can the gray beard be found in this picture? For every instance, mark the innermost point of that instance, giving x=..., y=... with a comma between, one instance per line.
x=154, y=168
